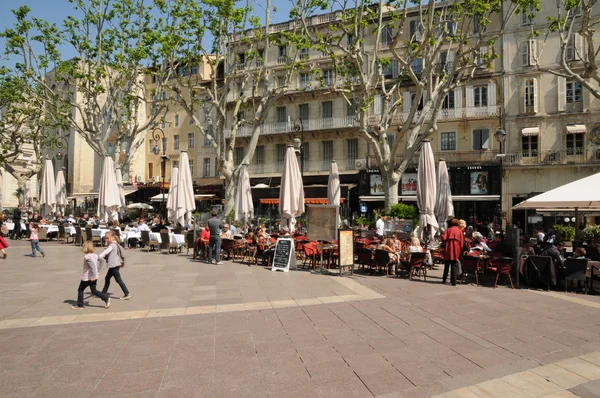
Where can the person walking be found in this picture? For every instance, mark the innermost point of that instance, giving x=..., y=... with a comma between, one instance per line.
x=113, y=258
x=453, y=242
x=3, y=232
x=379, y=227
x=17, y=214
x=89, y=276
x=34, y=228
x=214, y=243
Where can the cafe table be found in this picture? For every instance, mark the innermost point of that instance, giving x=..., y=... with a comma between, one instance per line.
x=327, y=250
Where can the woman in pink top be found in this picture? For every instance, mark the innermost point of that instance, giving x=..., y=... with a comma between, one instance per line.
x=35, y=240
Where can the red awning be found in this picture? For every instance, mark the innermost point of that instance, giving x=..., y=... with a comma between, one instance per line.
x=308, y=201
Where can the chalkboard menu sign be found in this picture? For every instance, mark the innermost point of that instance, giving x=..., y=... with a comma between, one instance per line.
x=284, y=255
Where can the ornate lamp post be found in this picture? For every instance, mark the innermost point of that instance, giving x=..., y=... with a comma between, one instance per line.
x=298, y=129
x=156, y=135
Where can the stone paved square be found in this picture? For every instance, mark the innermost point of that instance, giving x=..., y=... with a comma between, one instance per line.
x=200, y=330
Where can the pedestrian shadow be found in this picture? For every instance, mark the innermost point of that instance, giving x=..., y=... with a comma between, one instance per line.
x=86, y=303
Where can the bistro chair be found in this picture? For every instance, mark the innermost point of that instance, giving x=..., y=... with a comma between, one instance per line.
x=416, y=262
x=62, y=234
x=147, y=241
x=311, y=253
x=78, y=240
x=190, y=244
x=42, y=234
x=538, y=269
x=177, y=230
x=165, y=242
x=227, y=246
x=365, y=257
x=89, y=236
x=383, y=259
x=470, y=265
x=501, y=266
x=575, y=270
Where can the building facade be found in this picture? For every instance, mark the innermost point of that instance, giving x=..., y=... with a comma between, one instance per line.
x=552, y=123
x=326, y=125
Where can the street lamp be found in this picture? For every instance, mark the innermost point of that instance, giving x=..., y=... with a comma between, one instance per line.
x=156, y=136
x=500, y=135
x=298, y=129
x=60, y=155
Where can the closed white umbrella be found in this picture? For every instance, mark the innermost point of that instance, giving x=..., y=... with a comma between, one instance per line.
x=185, y=191
x=333, y=185
x=244, y=208
x=444, y=208
x=119, y=180
x=291, y=191
x=48, y=191
x=108, y=195
x=426, y=191
x=61, y=190
x=172, y=201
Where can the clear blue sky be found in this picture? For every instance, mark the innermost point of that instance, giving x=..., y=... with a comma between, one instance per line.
x=57, y=10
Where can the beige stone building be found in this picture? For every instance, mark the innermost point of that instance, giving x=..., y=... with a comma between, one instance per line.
x=176, y=131
x=326, y=125
x=552, y=123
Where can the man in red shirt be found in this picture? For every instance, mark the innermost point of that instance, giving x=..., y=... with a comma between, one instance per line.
x=202, y=241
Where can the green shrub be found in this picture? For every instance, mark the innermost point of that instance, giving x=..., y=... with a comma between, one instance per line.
x=591, y=231
x=566, y=233
x=404, y=211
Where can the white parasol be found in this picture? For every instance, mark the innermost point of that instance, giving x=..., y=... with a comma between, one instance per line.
x=48, y=191
x=244, y=209
x=444, y=208
x=426, y=191
x=185, y=191
x=291, y=193
x=108, y=195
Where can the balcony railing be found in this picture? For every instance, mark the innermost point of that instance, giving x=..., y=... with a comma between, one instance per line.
x=312, y=166
x=448, y=114
x=553, y=157
x=483, y=157
x=308, y=125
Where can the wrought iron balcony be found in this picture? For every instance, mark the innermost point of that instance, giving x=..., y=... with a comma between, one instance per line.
x=553, y=157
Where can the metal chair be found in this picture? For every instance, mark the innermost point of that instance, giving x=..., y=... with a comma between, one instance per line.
x=470, y=265
x=383, y=259
x=416, y=263
x=90, y=236
x=539, y=268
x=575, y=269
x=190, y=244
x=502, y=266
x=42, y=234
x=62, y=234
x=148, y=243
x=78, y=240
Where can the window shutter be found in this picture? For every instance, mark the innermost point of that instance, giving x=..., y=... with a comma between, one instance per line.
x=524, y=95
x=413, y=28
x=579, y=49
x=450, y=60
x=491, y=88
x=532, y=51
x=525, y=54
x=477, y=139
x=394, y=68
x=535, y=96
x=470, y=99
x=458, y=106
x=485, y=139
x=406, y=103
x=570, y=49
x=561, y=87
x=378, y=104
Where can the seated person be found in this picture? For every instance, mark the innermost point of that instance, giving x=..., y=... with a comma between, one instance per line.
x=478, y=245
x=226, y=233
x=501, y=246
x=527, y=248
x=580, y=253
x=395, y=244
x=202, y=241
x=415, y=245
x=384, y=244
